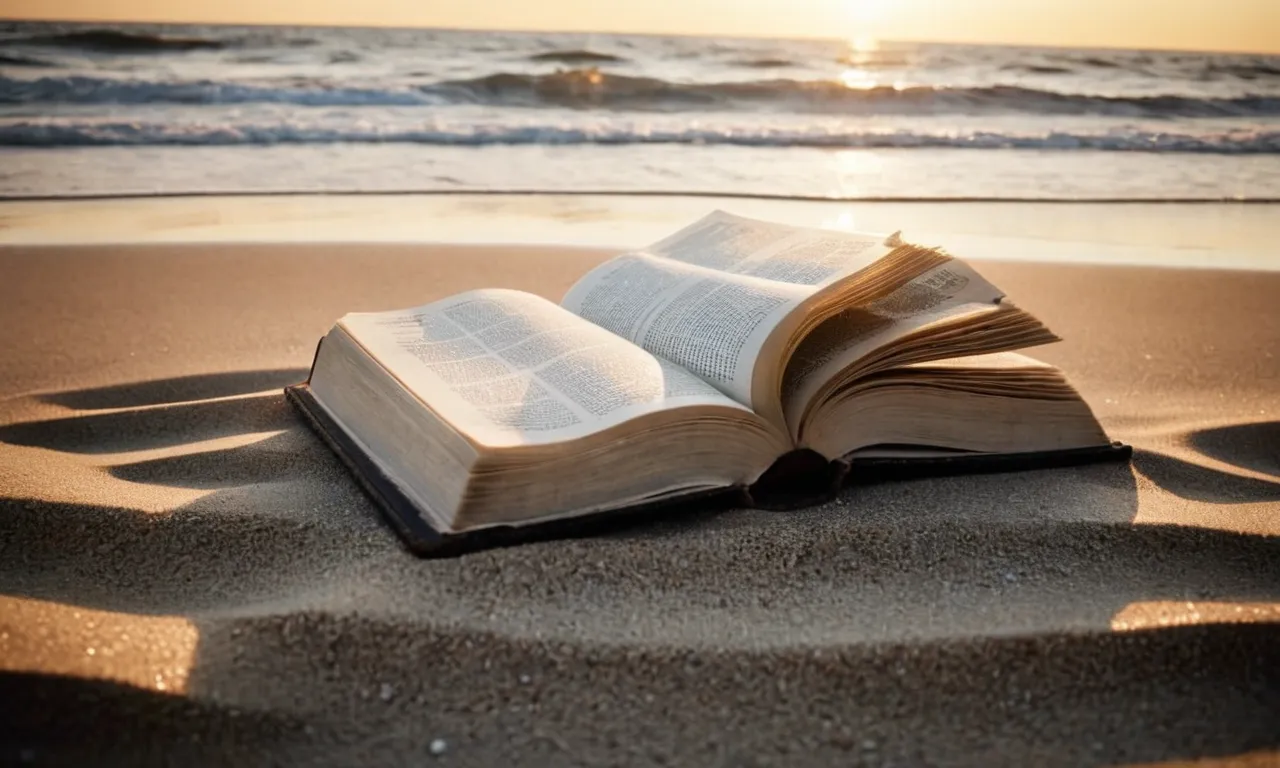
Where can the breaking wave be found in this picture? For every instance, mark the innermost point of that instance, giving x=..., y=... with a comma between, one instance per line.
x=577, y=56
x=15, y=60
x=591, y=88
x=45, y=134
x=118, y=41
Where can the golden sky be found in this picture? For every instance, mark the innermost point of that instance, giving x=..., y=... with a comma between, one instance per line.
x=1227, y=25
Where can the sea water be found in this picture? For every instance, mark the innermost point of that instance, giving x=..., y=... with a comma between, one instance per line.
x=125, y=110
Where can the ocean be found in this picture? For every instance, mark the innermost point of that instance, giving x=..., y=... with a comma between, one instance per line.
x=94, y=110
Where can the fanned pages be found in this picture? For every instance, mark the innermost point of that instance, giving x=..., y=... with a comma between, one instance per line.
x=701, y=363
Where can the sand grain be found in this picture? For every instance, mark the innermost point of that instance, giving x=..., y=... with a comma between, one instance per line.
x=154, y=478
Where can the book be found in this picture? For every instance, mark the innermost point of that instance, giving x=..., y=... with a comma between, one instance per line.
x=735, y=362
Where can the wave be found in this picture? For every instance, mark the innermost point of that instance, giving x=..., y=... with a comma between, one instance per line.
x=767, y=62
x=1192, y=67
x=591, y=88
x=1037, y=69
x=39, y=134
x=577, y=56
x=1101, y=63
x=14, y=60
x=878, y=59
x=92, y=90
x=118, y=41
x=1249, y=71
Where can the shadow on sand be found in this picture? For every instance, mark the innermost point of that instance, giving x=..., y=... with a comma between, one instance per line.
x=164, y=426
x=286, y=670
x=1198, y=483
x=1251, y=446
x=179, y=389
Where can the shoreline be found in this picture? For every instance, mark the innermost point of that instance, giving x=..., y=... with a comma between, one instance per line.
x=623, y=193
x=1187, y=235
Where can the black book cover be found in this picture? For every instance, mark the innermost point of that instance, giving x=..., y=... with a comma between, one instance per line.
x=798, y=479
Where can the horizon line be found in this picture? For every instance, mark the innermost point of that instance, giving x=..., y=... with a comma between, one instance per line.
x=516, y=192
x=637, y=33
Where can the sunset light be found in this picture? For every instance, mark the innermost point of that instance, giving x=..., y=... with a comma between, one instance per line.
x=542, y=382
x=858, y=79
x=865, y=12
x=1225, y=25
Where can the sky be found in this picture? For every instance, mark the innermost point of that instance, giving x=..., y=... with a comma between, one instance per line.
x=1221, y=25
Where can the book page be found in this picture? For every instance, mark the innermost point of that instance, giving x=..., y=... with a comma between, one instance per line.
x=799, y=255
x=710, y=296
x=711, y=323
x=511, y=368
x=943, y=293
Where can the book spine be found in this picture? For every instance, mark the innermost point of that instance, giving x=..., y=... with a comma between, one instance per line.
x=797, y=479
x=314, y=359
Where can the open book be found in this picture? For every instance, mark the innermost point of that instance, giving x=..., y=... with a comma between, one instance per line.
x=735, y=354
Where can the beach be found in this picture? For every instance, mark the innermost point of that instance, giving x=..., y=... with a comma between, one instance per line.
x=188, y=576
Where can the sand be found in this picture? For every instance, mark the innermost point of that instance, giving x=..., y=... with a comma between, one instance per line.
x=186, y=575
x=1230, y=236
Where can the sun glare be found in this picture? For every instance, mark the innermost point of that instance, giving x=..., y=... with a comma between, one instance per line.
x=865, y=11
x=862, y=53
x=864, y=44
x=865, y=19
x=858, y=79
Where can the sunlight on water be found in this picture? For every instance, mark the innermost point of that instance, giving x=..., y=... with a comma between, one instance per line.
x=857, y=172
x=164, y=109
x=864, y=45
x=858, y=79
